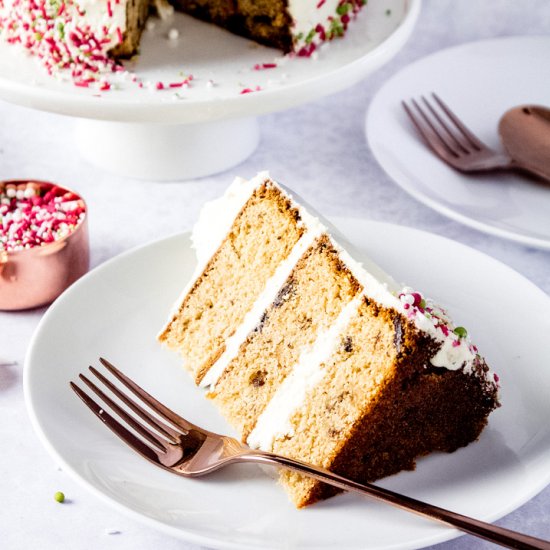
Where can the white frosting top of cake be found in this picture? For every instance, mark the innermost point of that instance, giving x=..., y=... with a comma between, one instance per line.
x=214, y=223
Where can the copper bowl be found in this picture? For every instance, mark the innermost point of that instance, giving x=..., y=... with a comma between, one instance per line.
x=36, y=276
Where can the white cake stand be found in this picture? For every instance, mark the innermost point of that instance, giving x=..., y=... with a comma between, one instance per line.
x=210, y=125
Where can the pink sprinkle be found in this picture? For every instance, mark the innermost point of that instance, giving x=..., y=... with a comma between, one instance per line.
x=307, y=50
x=262, y=66
x=320, y=30
x=119, y=35
x=109, y=9
x=456, y=343
x=497, y=377
x=159, y=86
x=250, y=90
x=320, y=3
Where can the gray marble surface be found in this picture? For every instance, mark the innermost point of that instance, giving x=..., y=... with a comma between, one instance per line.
x=333, y=169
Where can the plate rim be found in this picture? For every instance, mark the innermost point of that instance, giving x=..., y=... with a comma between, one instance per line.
x=445, y=533
x=402, y=181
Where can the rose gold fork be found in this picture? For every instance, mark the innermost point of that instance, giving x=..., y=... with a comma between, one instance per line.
x=177, y=445
x=451, y=140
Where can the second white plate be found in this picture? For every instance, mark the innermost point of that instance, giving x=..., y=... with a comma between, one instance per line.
x=116, y=311
x=480, y=81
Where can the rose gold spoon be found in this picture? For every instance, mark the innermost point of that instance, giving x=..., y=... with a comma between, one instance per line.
x=525, y=134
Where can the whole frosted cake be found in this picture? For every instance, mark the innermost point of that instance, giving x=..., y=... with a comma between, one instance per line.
x=85, y=37
x=312, y=355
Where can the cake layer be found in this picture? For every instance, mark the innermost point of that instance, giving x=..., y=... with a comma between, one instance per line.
x=376, y=407
x=265, y=21
x=308, y=303
x=137, y=12
x=262, y=235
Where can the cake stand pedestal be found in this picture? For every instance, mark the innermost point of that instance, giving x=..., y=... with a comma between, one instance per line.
x=165, y=152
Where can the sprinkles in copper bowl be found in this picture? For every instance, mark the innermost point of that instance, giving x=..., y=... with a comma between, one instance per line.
x=32, y=215
x=43, y=242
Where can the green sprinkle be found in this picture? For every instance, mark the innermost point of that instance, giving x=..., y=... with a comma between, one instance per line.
x=422, y=304
x=59, y=496
x=336, y=29
x=388, y=12
x=311, y=34
x=342, y=9
x=461, y=332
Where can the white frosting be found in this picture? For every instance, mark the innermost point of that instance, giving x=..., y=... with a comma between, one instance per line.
x=306, y=15
x=97, y=17
x=452, y=356
x=315, y=22
x=274, y=422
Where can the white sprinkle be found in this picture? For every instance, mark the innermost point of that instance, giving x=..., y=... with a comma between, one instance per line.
x=173, y=34
x=150, y=25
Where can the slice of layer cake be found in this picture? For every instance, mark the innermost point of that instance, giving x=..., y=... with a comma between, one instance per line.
x=309, y=354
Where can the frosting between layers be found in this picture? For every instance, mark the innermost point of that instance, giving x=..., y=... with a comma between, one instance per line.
x=262, y=303
x=274, y=422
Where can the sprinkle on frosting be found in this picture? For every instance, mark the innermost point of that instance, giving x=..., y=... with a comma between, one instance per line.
x=57, y=34
x=335, y=25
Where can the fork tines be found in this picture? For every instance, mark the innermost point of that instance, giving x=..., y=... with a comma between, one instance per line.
x=154, y=430
x=441, y=128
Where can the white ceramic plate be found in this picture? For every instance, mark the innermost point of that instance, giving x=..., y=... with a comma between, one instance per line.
x=480, y=81
x=212, y=54
x=117, y=310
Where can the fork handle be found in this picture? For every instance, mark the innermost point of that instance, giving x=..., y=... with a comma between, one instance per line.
x=492, y=533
